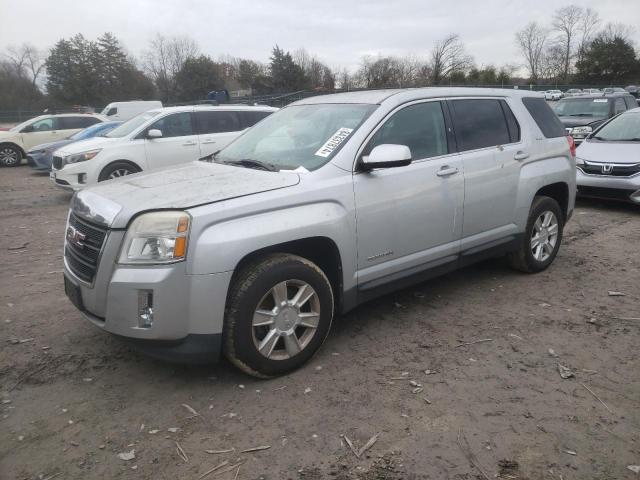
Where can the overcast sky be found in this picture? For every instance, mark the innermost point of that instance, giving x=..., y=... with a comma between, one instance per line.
x=339, y=32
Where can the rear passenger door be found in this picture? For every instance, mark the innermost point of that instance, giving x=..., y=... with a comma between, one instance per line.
x=488, y=135
x=216, y=129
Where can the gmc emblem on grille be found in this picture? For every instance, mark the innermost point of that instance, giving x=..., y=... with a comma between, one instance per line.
x=74, y=237
x=607, y=169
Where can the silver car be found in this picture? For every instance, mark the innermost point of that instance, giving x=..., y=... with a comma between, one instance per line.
x=609, y=160
x=321, y=206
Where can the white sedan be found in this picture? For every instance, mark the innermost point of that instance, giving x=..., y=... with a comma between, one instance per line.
x=553, y=95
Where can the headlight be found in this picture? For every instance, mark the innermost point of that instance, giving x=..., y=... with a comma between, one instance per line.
x=156, y=237
x=581, y=130
x=81, y=157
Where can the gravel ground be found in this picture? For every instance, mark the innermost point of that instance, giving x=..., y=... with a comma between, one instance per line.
x=73, y=398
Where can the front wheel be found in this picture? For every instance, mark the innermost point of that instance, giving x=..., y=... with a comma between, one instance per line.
x=542, y=237
x=279, y=312
x=10, y=156
x=117, y=170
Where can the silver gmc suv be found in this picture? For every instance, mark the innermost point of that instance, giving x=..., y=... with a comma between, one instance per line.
x=331, y=201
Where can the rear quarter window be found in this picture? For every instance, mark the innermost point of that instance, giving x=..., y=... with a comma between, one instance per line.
x=545, y=118
x=250, y=118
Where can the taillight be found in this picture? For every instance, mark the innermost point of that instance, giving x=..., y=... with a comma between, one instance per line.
x=572, y=145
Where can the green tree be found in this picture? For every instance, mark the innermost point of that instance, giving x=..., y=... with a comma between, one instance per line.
x=286, y=75
x=608, y=60
x=197, y=77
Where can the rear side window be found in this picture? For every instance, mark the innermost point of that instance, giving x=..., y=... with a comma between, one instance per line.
x=70, y=123
x=217, y=122
x=479, y=124
x=420, y=127
x=250, y=118
x=631, y=102
x=619, y=106
x=548, y=122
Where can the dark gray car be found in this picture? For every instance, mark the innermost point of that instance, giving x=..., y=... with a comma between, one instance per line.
x=581, y=115
x=41, y=157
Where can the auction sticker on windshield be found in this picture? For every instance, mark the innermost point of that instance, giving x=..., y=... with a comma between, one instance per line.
x=333, y=143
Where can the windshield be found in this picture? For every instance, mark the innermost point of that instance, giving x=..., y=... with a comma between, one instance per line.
x=129, y=126
x=93, y=131
x=624, y=127
x=583, y=107
x=20, y=126
x=305, y=136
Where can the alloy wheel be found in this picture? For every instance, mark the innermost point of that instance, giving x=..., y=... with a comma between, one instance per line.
x=119, y=172
x=544, y=236
x=8, y=156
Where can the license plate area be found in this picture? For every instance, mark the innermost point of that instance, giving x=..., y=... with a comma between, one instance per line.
x=73, y=293
x=52, y=175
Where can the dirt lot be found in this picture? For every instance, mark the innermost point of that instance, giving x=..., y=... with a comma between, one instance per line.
x=73, y=398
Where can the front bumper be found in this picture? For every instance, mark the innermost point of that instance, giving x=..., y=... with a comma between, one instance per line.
x=609, y=187
x=70, y=181
x=188, y=310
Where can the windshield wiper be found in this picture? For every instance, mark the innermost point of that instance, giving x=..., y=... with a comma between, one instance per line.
x=634, y=139
x=580, y=115
x=250, y=163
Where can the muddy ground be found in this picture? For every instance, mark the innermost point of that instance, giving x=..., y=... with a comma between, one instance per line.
x=73, y=398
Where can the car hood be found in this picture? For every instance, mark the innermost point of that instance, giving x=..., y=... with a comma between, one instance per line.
x=581, y=121
x=197, y=183
x=6, y=134
x=85, y=145
x=51, y=145
x=614, y=152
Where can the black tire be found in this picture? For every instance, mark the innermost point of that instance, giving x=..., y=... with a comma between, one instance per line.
x=110, y=170
x=10, y=156
x=523, y=259
x=251, y=285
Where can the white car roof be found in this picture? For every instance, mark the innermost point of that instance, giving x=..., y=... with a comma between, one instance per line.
x=213, y=108
x=409, y=94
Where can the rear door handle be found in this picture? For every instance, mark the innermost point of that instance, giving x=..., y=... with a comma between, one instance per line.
x=208, y=141
x=446, y=170
x=521, y=155
x=189, y=143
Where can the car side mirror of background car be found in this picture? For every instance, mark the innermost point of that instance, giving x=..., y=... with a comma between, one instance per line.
x=154, y=133
x=387, y=155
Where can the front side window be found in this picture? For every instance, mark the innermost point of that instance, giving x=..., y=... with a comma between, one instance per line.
x=623, y=128
x=420, y=127
x=305, y=136
x=479, y=124
x=44, y=125
x=174, y=125
x=217, y=122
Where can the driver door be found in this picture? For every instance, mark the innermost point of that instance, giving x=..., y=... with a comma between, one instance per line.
x=178, y=144
x=409, y=219
x=41, y=131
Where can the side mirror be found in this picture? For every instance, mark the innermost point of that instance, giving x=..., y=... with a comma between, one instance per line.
x=387, y=155
x=154, y=133
x=27, y=129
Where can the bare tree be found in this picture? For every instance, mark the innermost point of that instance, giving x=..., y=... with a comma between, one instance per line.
x=588, y=28
x=344, y=80
x=27, y=61
x=447, y=56
x=164, y=59
x=566, y=22
x=531, y=41
x=617, y=30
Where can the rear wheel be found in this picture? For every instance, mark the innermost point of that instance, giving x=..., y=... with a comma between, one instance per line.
x=542, y=237
x=10, y=156
x=117, y=170
x=279, y=312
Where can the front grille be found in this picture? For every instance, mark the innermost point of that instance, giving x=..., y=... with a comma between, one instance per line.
x=607, y=193
x=57, y=162
x=82, y=247
x=617, y=170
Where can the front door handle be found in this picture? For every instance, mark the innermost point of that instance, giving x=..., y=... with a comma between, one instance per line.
x=521, y=155
x=189, y=144
x=446, y=170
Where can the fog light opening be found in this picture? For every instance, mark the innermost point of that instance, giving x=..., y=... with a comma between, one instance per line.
x=145, y=308
x=82, y=178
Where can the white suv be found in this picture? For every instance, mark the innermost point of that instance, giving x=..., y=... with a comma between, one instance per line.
x=154, y=139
